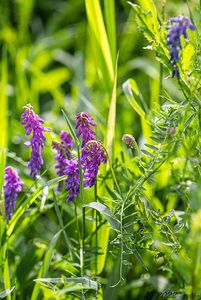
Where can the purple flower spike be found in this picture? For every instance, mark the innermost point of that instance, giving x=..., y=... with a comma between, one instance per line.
x=33, y=124
x=179, y=27
x=93, y=155
x=73, y=180
x=13, y=185
x=63, y=153
x=84, y=126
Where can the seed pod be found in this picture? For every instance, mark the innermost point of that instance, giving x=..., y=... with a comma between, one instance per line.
x=129, y=140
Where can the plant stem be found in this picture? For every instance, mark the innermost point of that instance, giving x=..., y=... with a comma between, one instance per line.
x=96, y=237
x=82, y=250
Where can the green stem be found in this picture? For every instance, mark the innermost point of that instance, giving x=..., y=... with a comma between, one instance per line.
x=77, y=223
x=82, y=249
x=96, y=237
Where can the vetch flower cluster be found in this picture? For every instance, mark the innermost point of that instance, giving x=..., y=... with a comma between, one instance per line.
x=34, y=125
x=92, y=155
x=93, y=152
x=178, y=27
x=12, y=186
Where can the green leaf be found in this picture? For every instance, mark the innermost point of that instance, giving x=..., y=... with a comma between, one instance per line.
x=4, y=102
x=187, y=123
x=6, y=274
x=131, y=91
x=112, y=119
x=24, y=14
x=46, y=263
x=146, y=16
x=151, y=147
x=148, y=6
x=84, y=282
x=187, y=55
x=3, y=117
x=71, y=284
x=6, y=292
x=106, y=212
x=101, y=44
x=133, y=96
x=109, y=11
x=147, y=153
x=53, y=79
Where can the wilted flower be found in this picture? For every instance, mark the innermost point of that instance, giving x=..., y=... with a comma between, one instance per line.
x=179, y=27
x=73, y=179
x=84, y=126
x=33, y=124
x=129, y=140
x=93, y=154
x=12, y=186
x=63, y=153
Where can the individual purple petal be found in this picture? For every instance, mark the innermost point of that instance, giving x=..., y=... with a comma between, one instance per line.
x=34, y=125
x=84, y=126
x=12, y=186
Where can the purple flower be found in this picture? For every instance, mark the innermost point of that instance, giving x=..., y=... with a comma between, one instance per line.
x=84, y=126
x=33, y=125
x=73, y=179
x=93, y=154
x=179, y=27
x=63, y=153
x=12, y=186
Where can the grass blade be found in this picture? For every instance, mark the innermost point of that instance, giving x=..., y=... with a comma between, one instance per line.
x=112, y=119
x=3, y=116
x=97, y=27
x=109, y=11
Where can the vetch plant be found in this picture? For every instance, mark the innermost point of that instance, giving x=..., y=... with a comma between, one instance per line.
x=88, y=229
